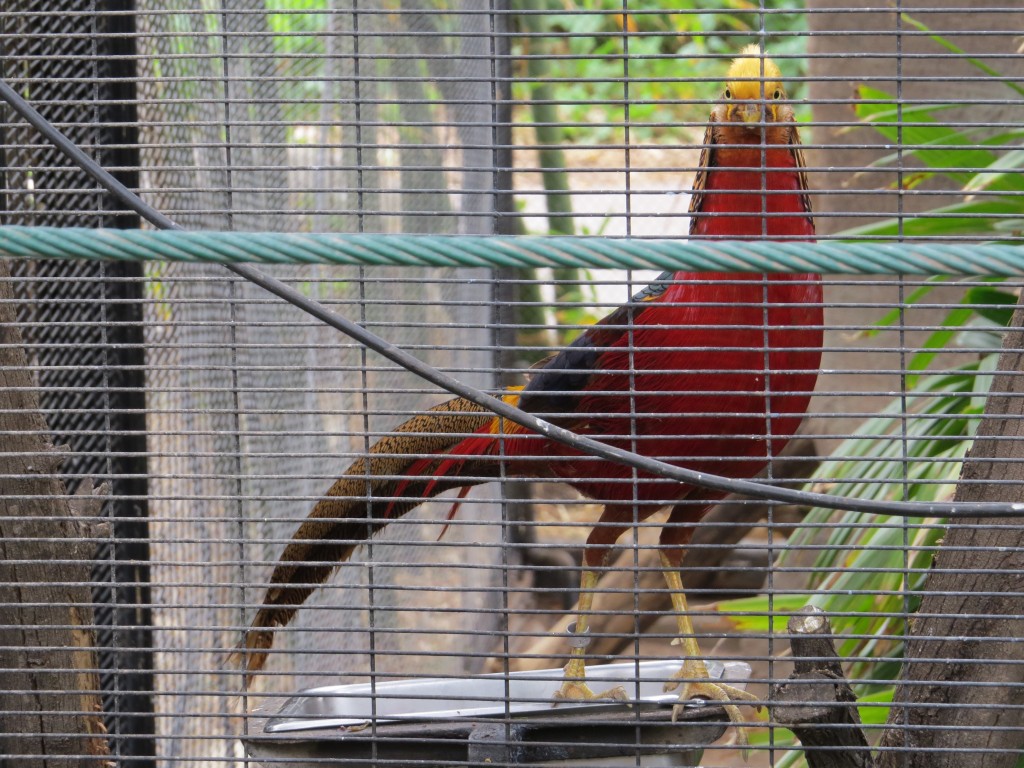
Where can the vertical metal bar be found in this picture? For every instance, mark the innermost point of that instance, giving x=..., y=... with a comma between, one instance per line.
x=5, y=118
x=901, y=297
x=235, y=288
x=631, y=347
x=364, y=382
x=511, y=494
x=503, y=292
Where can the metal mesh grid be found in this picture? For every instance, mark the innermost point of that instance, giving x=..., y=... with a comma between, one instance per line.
x=383, y=117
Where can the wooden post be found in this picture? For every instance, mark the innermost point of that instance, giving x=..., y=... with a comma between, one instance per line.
x=816, y=703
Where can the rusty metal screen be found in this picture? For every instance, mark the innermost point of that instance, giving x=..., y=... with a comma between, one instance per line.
x=169, y=424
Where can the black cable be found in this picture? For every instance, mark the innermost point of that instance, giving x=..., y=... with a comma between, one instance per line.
x=586, y=445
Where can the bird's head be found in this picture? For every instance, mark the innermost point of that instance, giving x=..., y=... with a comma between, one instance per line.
x=754, y=96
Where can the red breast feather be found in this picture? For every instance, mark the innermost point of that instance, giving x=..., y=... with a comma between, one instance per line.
x=705, y=393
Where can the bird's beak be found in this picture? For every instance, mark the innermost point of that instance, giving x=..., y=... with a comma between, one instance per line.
x=750, y=112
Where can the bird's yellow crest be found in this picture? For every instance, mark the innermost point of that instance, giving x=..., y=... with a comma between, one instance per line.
x=747, y=72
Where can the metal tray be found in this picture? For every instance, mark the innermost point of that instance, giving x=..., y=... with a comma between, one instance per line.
x=498, y=696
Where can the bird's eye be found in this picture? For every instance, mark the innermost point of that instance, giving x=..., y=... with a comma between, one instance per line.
x=728, y=93
x=777, y=94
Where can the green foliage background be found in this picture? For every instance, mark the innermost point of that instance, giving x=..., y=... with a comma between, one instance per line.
x=673, y=51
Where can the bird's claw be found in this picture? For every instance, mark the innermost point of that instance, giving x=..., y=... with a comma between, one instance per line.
x=704, y=688
x=574, y=687
x=573, y=690
x=578, y=690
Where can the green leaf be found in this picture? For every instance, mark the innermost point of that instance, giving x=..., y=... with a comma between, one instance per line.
x=893, y=316
x=1002, y=174
x=915, y=129
x=973, y=217
x=870, y=711
x=996, y=306
x=777, y=736
x=980, y=339
x=976, y=135
x=751, y=614
x=937, y=342
x=875, y=105
x=982, y=384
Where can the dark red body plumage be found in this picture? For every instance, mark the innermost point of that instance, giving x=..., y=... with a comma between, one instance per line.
x=708, y=376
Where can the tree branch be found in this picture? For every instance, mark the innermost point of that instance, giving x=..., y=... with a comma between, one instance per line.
x=816, y=703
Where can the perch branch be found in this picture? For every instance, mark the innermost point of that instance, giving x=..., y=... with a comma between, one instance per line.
x=816, y=703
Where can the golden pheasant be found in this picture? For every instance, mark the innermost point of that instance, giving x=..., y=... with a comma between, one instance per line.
x=707, y=371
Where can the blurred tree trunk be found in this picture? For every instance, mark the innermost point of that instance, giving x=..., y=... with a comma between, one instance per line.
x=963, y=691
x=49, y=701
x=965, y=602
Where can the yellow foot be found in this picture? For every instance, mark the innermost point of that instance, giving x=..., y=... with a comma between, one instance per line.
x=693, y=681
x=574, y=687
x=577, y=690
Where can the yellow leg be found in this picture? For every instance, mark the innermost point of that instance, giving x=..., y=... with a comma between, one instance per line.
x=693, y=679
x=574, y=687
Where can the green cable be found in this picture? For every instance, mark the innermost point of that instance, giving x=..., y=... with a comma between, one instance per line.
x=832, y=257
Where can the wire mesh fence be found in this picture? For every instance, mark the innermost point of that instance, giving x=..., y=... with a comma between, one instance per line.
x=201, y=419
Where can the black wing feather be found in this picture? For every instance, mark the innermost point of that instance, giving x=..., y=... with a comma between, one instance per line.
x=554, y=386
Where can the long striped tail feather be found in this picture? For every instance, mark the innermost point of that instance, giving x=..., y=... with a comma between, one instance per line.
x=392, y=480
